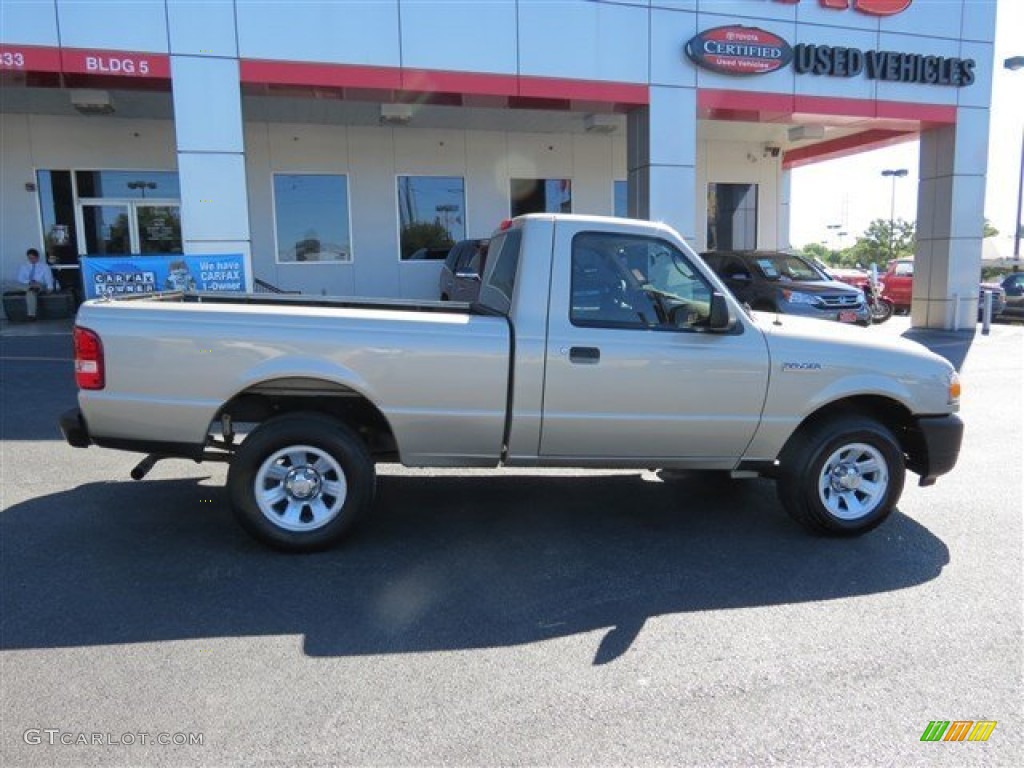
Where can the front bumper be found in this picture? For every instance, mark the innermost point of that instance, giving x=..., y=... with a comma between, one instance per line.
x=72, y=425
x=860, y=312
x=937, y=446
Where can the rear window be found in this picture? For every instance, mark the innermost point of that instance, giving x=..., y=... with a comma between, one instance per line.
x=502, y=267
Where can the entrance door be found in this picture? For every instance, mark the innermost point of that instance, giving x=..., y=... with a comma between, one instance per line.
x=129, y=226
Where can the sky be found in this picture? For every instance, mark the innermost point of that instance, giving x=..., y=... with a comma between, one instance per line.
x=852, y=192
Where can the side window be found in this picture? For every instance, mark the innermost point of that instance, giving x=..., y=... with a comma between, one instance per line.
x=499, y=281
x=736, y=270
x=465, y=257
x=629, y=281
x=479, y=259
x=904, y=269
x=453, y=258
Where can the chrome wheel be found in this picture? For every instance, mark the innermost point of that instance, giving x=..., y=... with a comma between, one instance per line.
x=853, y=481
x=300, y=488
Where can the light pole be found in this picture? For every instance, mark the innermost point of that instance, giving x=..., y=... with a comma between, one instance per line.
x=143, y=185
x=894, y=173
x=1014, y=63
x=832, y=230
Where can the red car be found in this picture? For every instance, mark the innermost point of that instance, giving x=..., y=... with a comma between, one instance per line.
x=898, y=287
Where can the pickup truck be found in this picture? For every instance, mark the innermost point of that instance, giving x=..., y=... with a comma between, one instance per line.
x=594, y=343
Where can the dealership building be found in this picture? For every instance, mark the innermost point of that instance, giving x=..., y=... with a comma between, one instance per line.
x=338, y=145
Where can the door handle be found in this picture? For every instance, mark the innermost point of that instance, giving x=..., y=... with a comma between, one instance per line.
x=585, y=355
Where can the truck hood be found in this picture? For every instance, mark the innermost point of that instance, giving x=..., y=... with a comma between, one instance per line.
x=878, y=361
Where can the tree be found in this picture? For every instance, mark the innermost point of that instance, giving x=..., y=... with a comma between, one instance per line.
x=874, y=245
x=819, y=251
x=989, y=230
x=424, y=234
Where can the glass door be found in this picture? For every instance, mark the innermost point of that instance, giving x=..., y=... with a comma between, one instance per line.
x=158, y=228
x=107, y=228
x=130, y=227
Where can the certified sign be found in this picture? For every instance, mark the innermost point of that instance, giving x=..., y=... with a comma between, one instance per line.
x=737, y=50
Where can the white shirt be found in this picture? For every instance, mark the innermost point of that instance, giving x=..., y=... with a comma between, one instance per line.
x=38, y=272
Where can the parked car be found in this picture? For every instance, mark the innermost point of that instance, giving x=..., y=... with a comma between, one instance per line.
x=1013, y=286
x=460, y=275
x=898, y=288
x=787, y=283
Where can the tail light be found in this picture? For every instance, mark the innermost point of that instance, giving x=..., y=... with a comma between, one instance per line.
x=89, y=373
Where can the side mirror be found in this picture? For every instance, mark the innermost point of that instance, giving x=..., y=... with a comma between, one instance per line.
x=719, y=319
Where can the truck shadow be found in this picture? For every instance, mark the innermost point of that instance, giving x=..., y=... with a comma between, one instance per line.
x=952, y=345
x=444, y=563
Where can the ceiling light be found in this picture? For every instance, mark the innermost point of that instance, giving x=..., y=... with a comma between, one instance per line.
x=802, y=132
x=395, y=114
x=600, y=124
x=90, y=102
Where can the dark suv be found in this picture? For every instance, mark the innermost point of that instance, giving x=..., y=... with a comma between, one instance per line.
x=784, y=282
x=460, y=275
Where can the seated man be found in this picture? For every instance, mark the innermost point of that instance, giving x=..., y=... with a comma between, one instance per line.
x=34, y=277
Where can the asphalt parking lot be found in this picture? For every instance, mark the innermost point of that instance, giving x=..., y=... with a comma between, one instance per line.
x=483, y=618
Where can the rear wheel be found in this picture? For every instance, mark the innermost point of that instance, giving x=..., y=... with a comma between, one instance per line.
x=842, y=476
x=300, y=482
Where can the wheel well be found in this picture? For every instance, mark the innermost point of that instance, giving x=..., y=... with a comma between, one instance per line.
x=272, y=398
x=891, y=413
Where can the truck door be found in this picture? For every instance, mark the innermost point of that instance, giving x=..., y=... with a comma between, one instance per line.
x=631, y=370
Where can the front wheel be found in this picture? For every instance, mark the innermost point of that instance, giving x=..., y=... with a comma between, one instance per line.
x=300, y=482
x=881, y=310
x=842, y=476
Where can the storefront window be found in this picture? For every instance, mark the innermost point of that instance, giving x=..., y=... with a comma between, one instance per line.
x=541, y=196
x=312, y=216
x=621, y=199
x=141, y=185
x=732, y=217
x=432, y=215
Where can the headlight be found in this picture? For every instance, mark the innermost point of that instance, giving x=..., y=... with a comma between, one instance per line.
x=795, y=297
x=954, y=388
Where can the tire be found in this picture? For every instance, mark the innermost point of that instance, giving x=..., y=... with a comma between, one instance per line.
x=881, y=311
x=300, y=482
x=811, y=483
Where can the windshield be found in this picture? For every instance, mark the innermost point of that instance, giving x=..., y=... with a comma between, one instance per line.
x=787, y=266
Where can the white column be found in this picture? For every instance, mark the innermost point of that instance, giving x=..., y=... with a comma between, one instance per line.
x=209, y=130
x=950, y=218
x=662, y=159
x=785, y=187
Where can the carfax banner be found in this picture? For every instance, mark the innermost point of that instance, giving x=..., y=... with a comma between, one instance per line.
x=132, y=274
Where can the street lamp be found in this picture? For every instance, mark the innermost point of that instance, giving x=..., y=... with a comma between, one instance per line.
x=1014, y=63
x=895, y=173
x=143, y=185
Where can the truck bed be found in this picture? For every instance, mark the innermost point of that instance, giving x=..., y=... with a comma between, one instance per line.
x=174, y=360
